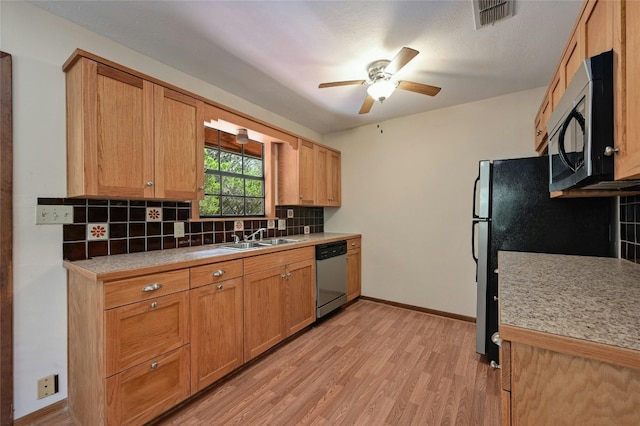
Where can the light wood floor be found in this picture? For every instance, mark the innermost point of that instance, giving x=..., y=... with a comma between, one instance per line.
x=371, y=364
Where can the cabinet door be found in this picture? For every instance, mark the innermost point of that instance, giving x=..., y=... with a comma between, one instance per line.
x=109, y=132
x=138, y=332
x=179, y=145
x=627, y=161
x=216, y=332
x=306, y=173
x=334, y=178
x=597, y=24
x=301, y=295
x=322, y=171
x=142, y=393
x=264, y=299
x=354, y=274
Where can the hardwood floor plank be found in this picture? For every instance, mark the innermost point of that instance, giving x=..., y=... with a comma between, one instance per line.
x=371, y=364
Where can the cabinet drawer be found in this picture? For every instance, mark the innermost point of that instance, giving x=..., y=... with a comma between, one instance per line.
x=209, y=274
x=354, y=243
x=138, y=332
x=276, y=260
x=122, y=292
x=141, y=393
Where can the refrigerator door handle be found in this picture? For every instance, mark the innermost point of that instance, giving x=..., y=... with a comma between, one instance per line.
x=475, y=188
x=473, y=245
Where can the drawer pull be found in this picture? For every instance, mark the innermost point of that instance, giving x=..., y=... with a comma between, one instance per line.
x=154, y=305
x=220, y=287
x=353, y=244
x=152, y=287
x=219, y=273
x=154, y=365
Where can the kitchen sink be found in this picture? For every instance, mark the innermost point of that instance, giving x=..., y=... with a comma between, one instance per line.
x=244, y=245
x=276, y=241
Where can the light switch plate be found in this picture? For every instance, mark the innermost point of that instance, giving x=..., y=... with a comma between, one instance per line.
x=282, y=224
x=178, y=229
x=49, y=215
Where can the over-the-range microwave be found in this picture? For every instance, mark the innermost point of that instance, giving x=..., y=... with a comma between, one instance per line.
x=581, y=140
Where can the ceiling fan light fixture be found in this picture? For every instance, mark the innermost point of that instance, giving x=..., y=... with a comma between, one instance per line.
x=381, y=90
x=242, y=137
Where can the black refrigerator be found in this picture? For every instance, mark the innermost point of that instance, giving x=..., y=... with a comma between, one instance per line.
x=512, y=210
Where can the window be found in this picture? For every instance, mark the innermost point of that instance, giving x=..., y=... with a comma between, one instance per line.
x=234, y=184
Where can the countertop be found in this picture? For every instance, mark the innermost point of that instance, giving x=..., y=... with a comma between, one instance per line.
x=592, y=300
x=126, y=265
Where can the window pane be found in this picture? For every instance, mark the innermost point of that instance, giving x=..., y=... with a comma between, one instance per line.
x=232, y=206
x=230, y=162
x=211, y=159
x=211, y=184
x=253, y=167
x=254, y=188
x=255, y=207
x=210, y=206
x=232, y=185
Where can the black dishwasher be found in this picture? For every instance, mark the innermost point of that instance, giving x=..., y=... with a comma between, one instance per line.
x=331, y=277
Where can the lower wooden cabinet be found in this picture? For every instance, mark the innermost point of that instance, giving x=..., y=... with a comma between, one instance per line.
x=216, y=331
x=141, y=393
x=548, y=387
x=278, y=301
x=354, y=268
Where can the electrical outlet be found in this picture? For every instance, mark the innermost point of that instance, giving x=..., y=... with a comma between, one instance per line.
x=289, y=213
x=47, y=386
x=48, y=215
x=307, y=229
x=282, y=224
x=178, y=229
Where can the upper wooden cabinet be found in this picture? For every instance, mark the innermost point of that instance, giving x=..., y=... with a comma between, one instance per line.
x=130, y=138
x=308, y=174
x=328, y=178
x=593, y=34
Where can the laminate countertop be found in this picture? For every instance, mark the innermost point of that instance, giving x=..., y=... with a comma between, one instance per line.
x=126, y=265
x=590, y=300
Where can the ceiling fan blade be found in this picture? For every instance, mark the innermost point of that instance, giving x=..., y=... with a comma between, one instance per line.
x=423, y=89
x=341, y=83
x=401, y=59
x=366, y=105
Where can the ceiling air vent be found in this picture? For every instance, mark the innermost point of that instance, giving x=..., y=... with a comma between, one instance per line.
x=488, y=12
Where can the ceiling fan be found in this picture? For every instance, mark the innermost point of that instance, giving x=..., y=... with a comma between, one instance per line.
x=381, y=82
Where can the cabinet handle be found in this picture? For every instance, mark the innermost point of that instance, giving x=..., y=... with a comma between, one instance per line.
x=609, y=151
x=288, y=274
x=152, y=287
x=353, y=244
x=283, y=276
x=219, y=273
x=201, y=187
x=301, y=196
x=539, y=132
x=154, y=305
x=154, y=365
x=220, y=287
x=149, y=183
x=495, y=298
x=495, y=365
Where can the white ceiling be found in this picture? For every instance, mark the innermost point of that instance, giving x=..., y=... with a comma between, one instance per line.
x=275, y=53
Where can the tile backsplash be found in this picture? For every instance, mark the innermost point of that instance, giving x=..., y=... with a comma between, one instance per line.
x=630, y=228
x=106, y=227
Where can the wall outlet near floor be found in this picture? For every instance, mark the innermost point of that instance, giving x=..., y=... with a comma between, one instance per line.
x=178, y=229
x=47, y=386
x=282, y=224
x=48, y=215
x=307, y=229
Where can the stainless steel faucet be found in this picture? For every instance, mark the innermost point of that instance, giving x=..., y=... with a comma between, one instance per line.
x=252, y=237
x=236, y=239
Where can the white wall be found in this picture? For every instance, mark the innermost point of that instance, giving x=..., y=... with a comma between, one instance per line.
x=409, y=192
x=40, y=43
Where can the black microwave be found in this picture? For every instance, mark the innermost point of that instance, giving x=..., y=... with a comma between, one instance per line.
x=581, y=136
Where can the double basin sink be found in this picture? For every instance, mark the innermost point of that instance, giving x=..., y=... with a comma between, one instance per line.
x=247, y=245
